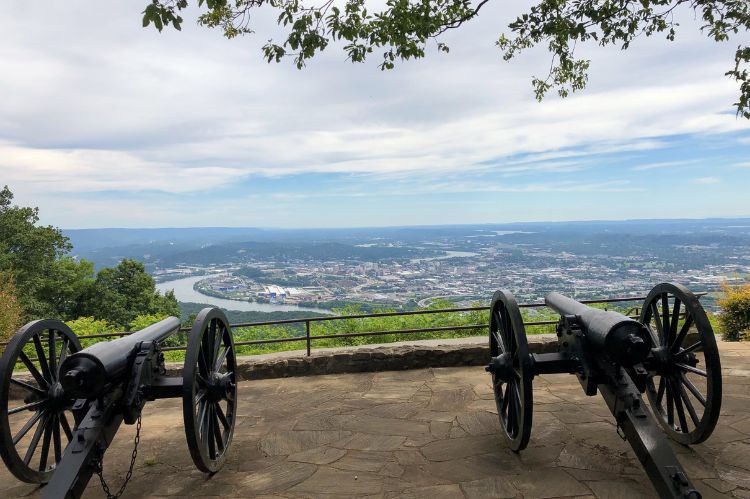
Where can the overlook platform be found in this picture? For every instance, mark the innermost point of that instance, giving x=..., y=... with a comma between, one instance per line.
x=429, y=433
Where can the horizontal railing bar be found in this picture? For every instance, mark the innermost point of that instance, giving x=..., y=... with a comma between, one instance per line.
x=417, y=312
x=375, y=315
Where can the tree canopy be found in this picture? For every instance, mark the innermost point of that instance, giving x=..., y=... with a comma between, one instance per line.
x=39, y=279
x=121, y=294
x=34, y=256
x=402, y=29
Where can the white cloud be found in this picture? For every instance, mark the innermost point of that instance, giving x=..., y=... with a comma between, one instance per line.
x=706, y=180
x=664, y=165
x=96, y=103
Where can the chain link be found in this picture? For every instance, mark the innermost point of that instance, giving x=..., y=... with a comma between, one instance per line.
x=100, y=470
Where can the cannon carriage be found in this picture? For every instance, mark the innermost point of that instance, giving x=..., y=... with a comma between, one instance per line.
x=58, y=418
x=669, y=353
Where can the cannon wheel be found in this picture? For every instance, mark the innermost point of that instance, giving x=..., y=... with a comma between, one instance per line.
x=40, y=347
x=514, y=397
x=209, y=390
x=684, y=387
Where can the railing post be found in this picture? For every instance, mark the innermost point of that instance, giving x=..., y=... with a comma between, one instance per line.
x=307, y=336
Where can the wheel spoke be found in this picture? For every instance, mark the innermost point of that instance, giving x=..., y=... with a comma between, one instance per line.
x=691, y=369
x=218, y=340
x=683, y=332
x=46, y=444
x=692, y=348
x=222, y=357
x=202, y=417
x=33, y=370
x=222, y=416
x=210, y=432
x=27, y=386
x=678, y=406
x=26, y=427
x=26, y=407
x=674, y=321
x=211, y=341
x=200, y=396
x=507, y=336
x=63, y=352
x=654, y=337
x=42, y=357
x=52, y=355
x=670, y=405
x=203, y=428
x=517, y=407
x=56, y=438
x=35, y=440
x=217, y=430
x=665, y=317
x=688, y=404
x=506, y=399
x=693, y=389
x=657, y=321
x=202, y=364
x=66, y=426
x=511, y=411
x=499, y=341
x=660, y=392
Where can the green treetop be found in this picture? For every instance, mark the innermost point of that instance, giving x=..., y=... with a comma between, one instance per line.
x=38, y=279
x=402, y=29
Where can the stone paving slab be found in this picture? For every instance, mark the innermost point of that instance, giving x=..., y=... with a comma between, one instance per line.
x=427, y=433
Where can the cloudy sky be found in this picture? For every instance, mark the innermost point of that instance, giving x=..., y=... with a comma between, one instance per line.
x=105, y=124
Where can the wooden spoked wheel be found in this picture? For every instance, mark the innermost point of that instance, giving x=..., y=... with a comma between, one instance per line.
x=512, y=382
x=35, y=417
x=209, y=397
x=684, y=385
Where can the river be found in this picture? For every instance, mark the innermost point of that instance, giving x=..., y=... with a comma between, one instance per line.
x=448, y=254
x=184, y=292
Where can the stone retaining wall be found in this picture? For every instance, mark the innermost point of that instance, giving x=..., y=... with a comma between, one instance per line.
x=388, y=357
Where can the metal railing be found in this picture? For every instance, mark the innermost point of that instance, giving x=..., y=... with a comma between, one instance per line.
x=309, y=338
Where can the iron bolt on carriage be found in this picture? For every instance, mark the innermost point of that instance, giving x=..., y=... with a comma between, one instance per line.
x=669, y=353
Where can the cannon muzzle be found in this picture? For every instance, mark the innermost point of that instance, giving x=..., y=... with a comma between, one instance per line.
x=623, y=339
x=85, y=374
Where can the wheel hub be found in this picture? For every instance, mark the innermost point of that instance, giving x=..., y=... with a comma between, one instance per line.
x=220, y=386
x=502, y=367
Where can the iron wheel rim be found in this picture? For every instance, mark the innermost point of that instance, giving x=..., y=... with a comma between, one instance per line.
x=513, y=398
x=678, y=388
x=210, y=390
x=48, y=427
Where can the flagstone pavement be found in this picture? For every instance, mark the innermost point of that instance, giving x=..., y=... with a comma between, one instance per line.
x=430, y=433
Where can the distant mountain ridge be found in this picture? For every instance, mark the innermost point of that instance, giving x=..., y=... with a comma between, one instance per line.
x=206, y=245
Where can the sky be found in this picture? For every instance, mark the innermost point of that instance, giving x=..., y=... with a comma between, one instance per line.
x=106, y=124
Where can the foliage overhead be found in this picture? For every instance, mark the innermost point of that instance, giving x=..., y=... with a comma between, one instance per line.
x=402, y=29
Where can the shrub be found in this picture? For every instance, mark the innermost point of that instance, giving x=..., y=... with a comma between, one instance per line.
x=10, y=310
x=734, y=317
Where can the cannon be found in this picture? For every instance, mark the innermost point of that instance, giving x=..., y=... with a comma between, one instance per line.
x=61, y=405
x=669, y=353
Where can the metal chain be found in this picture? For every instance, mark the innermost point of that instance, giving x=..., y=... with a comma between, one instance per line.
x=129, y=474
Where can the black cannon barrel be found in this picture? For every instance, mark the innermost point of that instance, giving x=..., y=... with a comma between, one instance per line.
x=624, y=339
x=84, y=374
